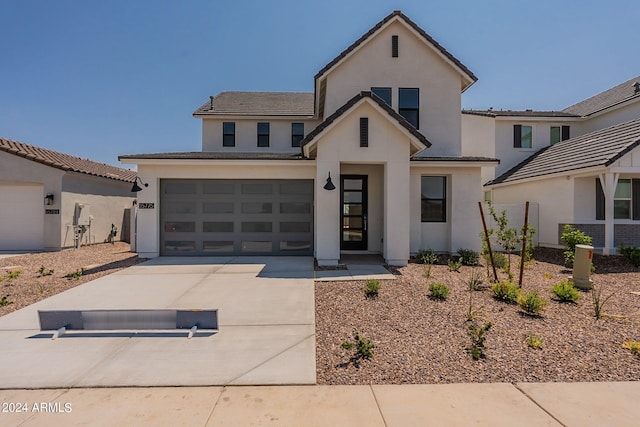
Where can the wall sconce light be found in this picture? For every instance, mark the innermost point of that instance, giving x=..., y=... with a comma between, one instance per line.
x=48, y=199
x=136, y=187
x=329, y=185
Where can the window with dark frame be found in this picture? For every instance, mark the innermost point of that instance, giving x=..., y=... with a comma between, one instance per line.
x=228, y=134
x=626, y=200
x=559, y=133
x=522, y=136
x=409, y=105
x=394, y=46
x=263, y=134
x=434, y=199
x=364, y=131
x=383, y=93
x=297, y=134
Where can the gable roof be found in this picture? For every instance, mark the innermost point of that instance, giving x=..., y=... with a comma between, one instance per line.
x=426, y=37
x=259, y=104
x=518, y=113
x=65, y=162
x=599, y=148
x=212, y=155
x=610, y=97
x=349, y=105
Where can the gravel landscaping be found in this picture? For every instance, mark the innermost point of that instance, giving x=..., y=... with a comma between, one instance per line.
x=422, y=340
x=31, y=286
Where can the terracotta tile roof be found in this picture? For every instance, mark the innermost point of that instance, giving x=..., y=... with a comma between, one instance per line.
x=210, y=155
x=518, y=113
x=259, y=104
x=606, y=99
x=379, y=25
x=599, y=148
x=65, y=162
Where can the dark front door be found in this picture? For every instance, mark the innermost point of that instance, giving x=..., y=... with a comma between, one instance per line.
x=353, y=197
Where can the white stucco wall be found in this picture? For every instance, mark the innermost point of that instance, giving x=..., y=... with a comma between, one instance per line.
x=375, y=178
x=247, y=134
x=478, y=139
x=417, y=66
x=612, y=117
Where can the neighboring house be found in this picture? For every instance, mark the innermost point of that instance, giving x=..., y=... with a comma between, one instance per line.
x=46, y=197
x=372, y=161
x=581, y=165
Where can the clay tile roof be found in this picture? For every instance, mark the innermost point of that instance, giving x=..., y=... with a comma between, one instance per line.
x=65, y=162
x=599, y=148
x=606, y=99
x=259, y=104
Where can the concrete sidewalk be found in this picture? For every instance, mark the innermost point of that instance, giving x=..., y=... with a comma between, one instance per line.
x=529, y=404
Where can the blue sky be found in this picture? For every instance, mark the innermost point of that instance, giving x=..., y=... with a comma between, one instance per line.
x=101, y=78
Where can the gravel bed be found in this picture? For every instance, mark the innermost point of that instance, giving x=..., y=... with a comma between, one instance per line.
x=30, y=287
x=419, y=340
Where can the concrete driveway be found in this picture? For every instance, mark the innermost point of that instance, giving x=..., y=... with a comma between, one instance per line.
x=266, y=316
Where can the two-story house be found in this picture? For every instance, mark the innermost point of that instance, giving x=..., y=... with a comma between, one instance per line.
x=372, y=161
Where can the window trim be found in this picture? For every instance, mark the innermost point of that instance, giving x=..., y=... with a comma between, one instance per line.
x=517, y=136
x=225, y=134
x=262, y=136
x=444, y=200
x=416, y=109
x=564, y=133
x=296, y=137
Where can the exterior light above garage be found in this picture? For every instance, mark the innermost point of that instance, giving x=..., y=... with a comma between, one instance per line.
x=329, y=185
x=48, y=199
x=136, y=187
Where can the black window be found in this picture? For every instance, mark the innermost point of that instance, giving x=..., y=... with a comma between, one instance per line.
x=409, y=105
x=364, y=132
x=263, y=134
x=522, y=136
x=559, y=133
x=434, y=198
x=297, y=134
x=383, y=93
x=394, y=46
x=228, y=134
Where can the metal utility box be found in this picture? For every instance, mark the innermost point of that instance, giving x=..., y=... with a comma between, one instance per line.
x=82, y=214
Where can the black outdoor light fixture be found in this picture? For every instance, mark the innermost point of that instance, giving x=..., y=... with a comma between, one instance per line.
x=329, y=185
x=48, y=199
x=136, y=187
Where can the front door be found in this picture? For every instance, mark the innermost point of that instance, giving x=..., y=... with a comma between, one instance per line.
x=353, y=197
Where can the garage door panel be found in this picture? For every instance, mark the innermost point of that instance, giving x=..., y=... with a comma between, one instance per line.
x=236, y=217
x=21, y=217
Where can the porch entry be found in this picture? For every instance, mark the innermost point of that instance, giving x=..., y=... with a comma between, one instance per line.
x=354, y=202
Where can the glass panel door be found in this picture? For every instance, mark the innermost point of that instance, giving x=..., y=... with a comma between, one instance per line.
x=353, y=198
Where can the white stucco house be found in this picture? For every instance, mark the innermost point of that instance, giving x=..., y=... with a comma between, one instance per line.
x=47, y=196
x=372, y=161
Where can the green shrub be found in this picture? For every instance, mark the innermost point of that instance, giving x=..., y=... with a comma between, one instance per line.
x=468, y=257
x=454, y=265
x=427, y=256
x=633, y=346
x=363, y=346
x=534, y=342
x=475, y=280
x=572, y=237
x=565, y=291
x=476, y=333
x=371, y=288
x=506, y=291
x=532, y=303
x=439, y=291
x=499, y=259
x=13, y=274
x=631, y=253
x=75, y=275
x=4, y=301
x=599, y=301
x=44, y=272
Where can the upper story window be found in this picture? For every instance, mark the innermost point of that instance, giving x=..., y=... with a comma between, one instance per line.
x=409, y=105
x=383, y=93
x=263, y=134
x=559, y=133
x=297, y=134
x=228, y=134
x=364, y=131
x=394, y=46
x=434, y=198
x=522, y=136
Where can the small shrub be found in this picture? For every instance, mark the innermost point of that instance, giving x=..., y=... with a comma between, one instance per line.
x=599, y=302
x=371, y=288
x=633, y=346
x=534, y=342
x=439, y=291
x=427, y=256
x=565, y=291
x=506, y=291
x=468, y=257
x=572, y=237
x=499, y=259
x=532, y=303
x=13, y=274
x=454, y=265
x=4, y=301
x=475, y=281
x=40, y=287
x=44, y=272
x=547, y=276
x=631, y=253
x=476, y=333
x=363, y=347
x=75, y=275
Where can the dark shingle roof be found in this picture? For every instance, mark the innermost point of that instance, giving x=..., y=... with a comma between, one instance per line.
x=599, y=148
x=518, y=113
x=379, y=25
x=65, y=162
x=209, y=155
x=353, y=101
x=259, y=104
x=606, y=99
x=471, y=159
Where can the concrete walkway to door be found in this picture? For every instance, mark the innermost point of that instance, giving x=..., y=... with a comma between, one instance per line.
x=266, y=316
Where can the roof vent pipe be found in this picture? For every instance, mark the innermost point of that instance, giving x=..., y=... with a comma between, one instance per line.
x=636, y=85
x=210, y=102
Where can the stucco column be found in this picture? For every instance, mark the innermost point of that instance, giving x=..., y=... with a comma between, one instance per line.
x=148, y=219
x=327, y=214
x=396, y=213
x=609, y=181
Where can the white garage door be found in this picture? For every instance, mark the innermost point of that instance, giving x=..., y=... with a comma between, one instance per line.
x=21, y=217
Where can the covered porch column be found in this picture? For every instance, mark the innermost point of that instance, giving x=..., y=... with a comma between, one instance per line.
x=397, y=211
x=327, y=213
x=609, y=181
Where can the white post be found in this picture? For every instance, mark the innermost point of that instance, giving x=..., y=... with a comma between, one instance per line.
x=133, y=228
x=609, y=181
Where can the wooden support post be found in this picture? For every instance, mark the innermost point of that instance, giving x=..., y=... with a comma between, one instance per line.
x=523, y=254
x=486, y=236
